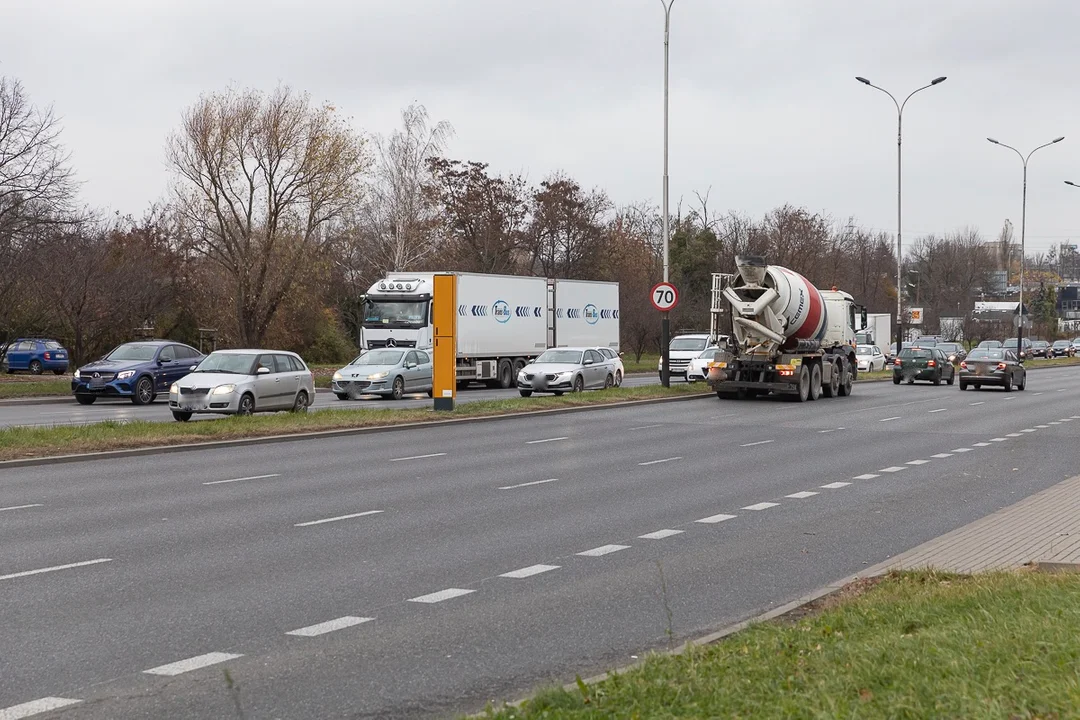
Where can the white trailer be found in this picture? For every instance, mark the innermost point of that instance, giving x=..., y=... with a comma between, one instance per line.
x=583, y=312
x=878, y=330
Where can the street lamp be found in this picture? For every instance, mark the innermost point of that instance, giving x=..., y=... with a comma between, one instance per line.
x=665, y=320
x=899, y=181
x=1023, y=226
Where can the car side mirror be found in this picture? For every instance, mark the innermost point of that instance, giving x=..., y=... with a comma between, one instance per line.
x=160, y=362
x=587, y=362
x=409, y=366
x=193, y=367
x=262, y=371
x=620, y=353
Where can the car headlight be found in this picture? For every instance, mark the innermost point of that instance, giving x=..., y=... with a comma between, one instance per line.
x=223, y=389
x=377, y=376
x=564, y=376
x=125, y=374
x=76, y=375
x=174, y=389
x=337, y=376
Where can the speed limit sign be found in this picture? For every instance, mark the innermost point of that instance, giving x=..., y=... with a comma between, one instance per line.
x=664, y=296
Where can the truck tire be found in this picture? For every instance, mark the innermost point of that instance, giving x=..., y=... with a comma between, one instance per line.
x=506, y=374
x=804, y=384
x=815, y=382
x=845, y=378
x=833, y=388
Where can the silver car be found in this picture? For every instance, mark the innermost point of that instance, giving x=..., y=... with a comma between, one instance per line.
x=560, y=370
x=390, y=373
x=242, y=382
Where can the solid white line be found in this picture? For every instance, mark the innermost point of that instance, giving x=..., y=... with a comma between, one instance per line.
x=894, y=468
x=916, y=462
x=761, y=506
x=527, y=484
x=27, y=573
x=713, y=519
x=660, y=534
x=939, y=410
x=865, y=476
x=547, y=440
x=199, y=661
x=657, y=462
x=253, y=477
x=962, y=450
x=801, y=495
x=21, y=507
x=529, y=571
x=980, y=445
x=890, y=418
x=446, y=594
x=835, y=485
x=417, y=457
x=759, y=442
x=603, y=550
x=647, y=427
x=35, y=707
x=329, y=626
x=981, y=402
x=339, y=517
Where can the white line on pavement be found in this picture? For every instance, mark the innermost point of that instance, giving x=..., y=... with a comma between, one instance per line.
x=831, y=430
x=835, y=485
x=527, y=484
x=1055, y=422
x=916, y=462
x=801, y=495
x=603, y=550
x=889, y=418
x=1038, y=393
x=199, y=661
x=27, y=573
x=339, y=517
x=1011, y=397
x=21, y=507
x=1012, y=435
x=417, y=457
x=980, y=444
x=545, y=440
x=35, y=707
x=660, y=534
x=761, y=506
x=1042, y=427
x=942, y=456
x=713, y=519
x=1061, y=390
x=529, y=571
x=866, y=476
x=981, y=402
x=961, y=450
x=647, y=427
x=657, y=462
x=252, y=477
x=939, y=410
x=998, y=439
x=329, y=626
x=446, y=594
x=759, y=442
x=1028, y=430
x=894, y=468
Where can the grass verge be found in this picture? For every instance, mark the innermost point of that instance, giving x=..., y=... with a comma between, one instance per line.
x=912, y=645
x=26, y=442
x=34, y=388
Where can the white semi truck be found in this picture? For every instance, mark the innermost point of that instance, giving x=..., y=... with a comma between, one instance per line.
x=878, y=330
x=503, y=321
x=788, y=337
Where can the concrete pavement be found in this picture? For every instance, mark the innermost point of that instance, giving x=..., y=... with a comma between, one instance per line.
x=428, y=571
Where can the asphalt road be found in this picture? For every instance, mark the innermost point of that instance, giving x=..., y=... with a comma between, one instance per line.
x=71, y=413
x=423, y=572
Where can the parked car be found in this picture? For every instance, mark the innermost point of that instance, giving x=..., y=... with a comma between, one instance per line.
x=1076, y=345
x=387, y=372
x=615, y=358
x=1025, y=351
x=930, y=364
x=993, y=366
x=869, y=358
x=1062, y=348
x=242, y=382
x=989, y=344
x=890, y=356
x=1040, y=348
x=36, y=356
x=137, y=370
x=698, y=369
x=565, y=369
x=954, y=350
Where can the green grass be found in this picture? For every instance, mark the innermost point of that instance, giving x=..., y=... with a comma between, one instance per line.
x=24, y=442
x=34, y=388
x=647, y=364
x=915, y=645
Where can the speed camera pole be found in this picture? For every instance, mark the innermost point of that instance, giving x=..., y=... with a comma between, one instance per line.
x=665, y=322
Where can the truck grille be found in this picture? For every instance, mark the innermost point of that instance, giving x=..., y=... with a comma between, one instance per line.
x=373, y=344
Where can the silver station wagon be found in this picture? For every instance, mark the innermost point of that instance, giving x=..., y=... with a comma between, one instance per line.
x=242, y=382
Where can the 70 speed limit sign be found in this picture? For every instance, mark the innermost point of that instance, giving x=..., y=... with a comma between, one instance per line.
x=664, y=296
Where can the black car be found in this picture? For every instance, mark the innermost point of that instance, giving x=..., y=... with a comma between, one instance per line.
x=954, y=350
x=1062, y=348
x=1040, y=348
x=915, y=363
x=138, y=370
x=993, y=366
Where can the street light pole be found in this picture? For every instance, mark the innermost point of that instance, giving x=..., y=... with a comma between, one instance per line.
x=899, y=211
x=665, y=319
x=1023, y=227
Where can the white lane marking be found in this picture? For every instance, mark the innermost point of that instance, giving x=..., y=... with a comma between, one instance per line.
x=657, y=462
x=339, y=517
x=1011, y=397
x=199, y=661
x=866, y=476
x=998, y=439
x=835, y=485
x=831, y=430
x=1028, y=430
x=1055, y=422
x=27, y=573
x=942, y=456
x=980, y=444
x=916, y=462
x=252, y=477
x=447, y=594
x=889, y=418
x=1068, y=419
x=603, y=550
x=712, y=519
x=801, y=495
x=417, y=457
x=981, y=402
x=660, y=534
x=1038, y=393
x=1013, y=435
x=759, y=442
x=647, y=427
x=1074, y=417
x=21, y=507
x=761, y=506
x=1042, y=427
x=1061, y=390
x=962, y=450
x=329, y=626
x=894, y=468
x=529, y=571
x=939, y=410
x=35, y=707
x=545, y=440
x=527, y=484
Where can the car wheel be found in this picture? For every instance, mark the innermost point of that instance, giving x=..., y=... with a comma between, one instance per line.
x=300, y=405
x=609, y=382
x=247, y=405
x=342, y=396
x=1008, y=384
x=895, y=379
x=1023, y=383
x=397, y=390
x=181, y=416
x=85, y=399
x=618, y=379
x=579, y=384
x=525, y=393
x=952, y=377
x=963, y=385
x=937, y=379
x=144, y=391
x=35, y=367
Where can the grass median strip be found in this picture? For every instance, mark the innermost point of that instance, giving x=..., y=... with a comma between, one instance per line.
x=34, y=388
x=27, y=442
x=910, y=645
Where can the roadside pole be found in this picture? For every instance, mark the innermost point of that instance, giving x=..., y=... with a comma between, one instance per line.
x=444, y=351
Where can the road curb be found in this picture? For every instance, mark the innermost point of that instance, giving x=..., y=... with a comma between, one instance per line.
x=322, y=434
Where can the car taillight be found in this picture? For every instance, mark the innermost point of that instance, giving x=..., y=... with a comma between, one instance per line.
x=931, y=364
x=896, y=362
x=963, y=366
x=48, y=356
x=1001, y=366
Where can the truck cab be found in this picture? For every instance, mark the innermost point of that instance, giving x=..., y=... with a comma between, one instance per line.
x=397, y=312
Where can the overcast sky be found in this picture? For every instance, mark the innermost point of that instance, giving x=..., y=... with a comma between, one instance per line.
x=764, y=105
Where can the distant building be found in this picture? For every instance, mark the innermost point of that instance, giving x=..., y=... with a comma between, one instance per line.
x=1068, y=301
x=995, y=311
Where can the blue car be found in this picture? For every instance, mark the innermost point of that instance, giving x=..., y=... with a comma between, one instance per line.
x=36, y=355
x=137, y=370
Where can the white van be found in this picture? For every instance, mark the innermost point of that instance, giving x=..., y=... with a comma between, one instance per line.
x=681, y=351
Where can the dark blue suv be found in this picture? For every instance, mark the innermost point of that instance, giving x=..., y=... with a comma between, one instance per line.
x=137, y=370
x=37, y=355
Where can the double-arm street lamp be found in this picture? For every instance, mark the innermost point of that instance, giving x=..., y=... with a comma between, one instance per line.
x=1023, y=225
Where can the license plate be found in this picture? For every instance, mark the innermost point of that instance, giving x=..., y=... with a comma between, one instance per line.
x=189, y=407
x=61, y=356
x=98, y=383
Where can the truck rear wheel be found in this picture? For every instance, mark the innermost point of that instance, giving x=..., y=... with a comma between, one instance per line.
x=833, y=388
x=845, y=378
x=506, y=374
x=803, y=384
x=815, y=382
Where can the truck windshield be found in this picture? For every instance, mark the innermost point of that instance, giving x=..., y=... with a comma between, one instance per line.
x=395, y=313
x=688, y=344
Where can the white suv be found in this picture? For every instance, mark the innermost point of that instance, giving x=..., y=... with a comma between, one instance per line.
x=681, y=351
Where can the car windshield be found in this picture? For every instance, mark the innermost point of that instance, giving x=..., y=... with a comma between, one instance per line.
x=1061, y=343
x=133, y=351
x=379, y=357
x=396, y=313
x=709, y=353
x=688, y=344
x=915, y=353
x=1011, y=343
x=233, y=363
x=986, y=354
x=864, y=350
x=563, y=357
x=990, y=344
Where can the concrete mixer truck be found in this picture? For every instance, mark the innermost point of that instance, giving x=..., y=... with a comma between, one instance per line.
x=787, y=337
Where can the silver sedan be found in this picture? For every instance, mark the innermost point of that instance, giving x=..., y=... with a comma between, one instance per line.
x=390, y=373
x=560, y=370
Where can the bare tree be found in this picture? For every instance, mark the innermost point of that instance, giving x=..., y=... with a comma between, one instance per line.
x=566, y=228
x=262, y=182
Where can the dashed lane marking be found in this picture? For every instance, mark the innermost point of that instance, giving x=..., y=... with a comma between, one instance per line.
x=447, y=594
x=942, y=456
x=802, y=495
x=21, y=507
x=713, y=519
x=39, y=571
x=938, y=410
x=660, y=534
x=647, y=427
x=657, y=462
x=889, y=418
x=35, y=707
x=759, y=442
x=893, y=469
x=329, y=626
x=529, y=571
x=417, y=457
x=603, y=550
x=195, y=663
x=546, y=440
x=916, y=462
x=962, y=450
x=339, y=517
x=527, y=484
x=1028, y=430
x=981, y=402
x=835, y=485
x=998, y=439
x=242, y=479
x=761, y=506
x=866, y=476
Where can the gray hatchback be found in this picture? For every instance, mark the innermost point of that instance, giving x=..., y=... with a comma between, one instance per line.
x=242, y=382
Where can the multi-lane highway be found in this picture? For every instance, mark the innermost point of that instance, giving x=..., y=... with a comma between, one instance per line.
x=424, y=572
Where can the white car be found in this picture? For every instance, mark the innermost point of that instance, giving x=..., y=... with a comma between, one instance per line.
x=698, y=369
x=615, y=358
x=869, y=358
